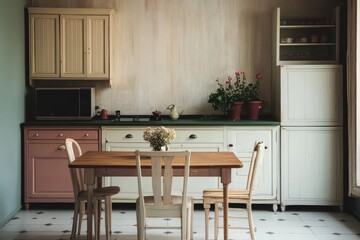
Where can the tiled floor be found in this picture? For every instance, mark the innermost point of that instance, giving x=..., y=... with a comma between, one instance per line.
x=49, y=224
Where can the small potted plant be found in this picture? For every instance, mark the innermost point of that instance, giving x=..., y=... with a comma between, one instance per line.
x=250, y=93
x=228, y=98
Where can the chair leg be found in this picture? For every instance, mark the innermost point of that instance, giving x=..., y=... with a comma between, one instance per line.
x=207, y=209
x=184, y=226
x=81, y=215
x=192, y=220
x=250, y=219
x=75, y=219
x=140, y=223
x=216, y=221
x=96, y=219
x=108, y=217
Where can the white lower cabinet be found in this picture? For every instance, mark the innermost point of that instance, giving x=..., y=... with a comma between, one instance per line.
x=241, y=140
x=311, y=166
x=238, y=139
x=193, y=139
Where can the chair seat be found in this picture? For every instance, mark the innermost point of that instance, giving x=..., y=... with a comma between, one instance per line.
x=175, y=200
x=100, y=193
x=233, y=193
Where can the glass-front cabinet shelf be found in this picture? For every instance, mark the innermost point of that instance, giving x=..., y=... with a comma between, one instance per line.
x=306, y=40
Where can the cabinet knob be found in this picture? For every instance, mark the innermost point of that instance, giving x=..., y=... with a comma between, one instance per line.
x=266, y=147
x=193, y=136
x=61, y=147
x=36, y=135
x=231, y=145
x=60, y=135
x=86, y=134
x=129, y=135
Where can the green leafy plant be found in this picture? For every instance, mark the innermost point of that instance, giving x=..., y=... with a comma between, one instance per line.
x=225, y=95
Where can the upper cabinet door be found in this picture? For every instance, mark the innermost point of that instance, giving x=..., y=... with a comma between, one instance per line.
x=44, y=46
x=84, y=46
x=311, y=95
x=98, y=46
x=73, y=46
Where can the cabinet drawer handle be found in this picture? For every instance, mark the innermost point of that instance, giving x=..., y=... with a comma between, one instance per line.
x=36, y=135
x=193, y=136
x=231, y=145
x=61, y=147
x=60, y=135
x=266, y=147
x=86, y=134
x=129, y=136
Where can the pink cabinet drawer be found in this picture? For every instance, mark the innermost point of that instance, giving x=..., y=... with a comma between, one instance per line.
x=38, y=134
x=57, y=150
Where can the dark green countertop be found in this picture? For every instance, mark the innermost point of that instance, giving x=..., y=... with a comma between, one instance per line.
x=144, y=121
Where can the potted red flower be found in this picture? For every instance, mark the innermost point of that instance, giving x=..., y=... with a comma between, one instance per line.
x=251, y=91
x=228, y=98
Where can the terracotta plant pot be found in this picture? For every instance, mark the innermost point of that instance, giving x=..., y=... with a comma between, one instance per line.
x=253, y=109
x=236, y=110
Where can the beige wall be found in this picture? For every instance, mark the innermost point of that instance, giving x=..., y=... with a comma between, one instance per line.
x=171, y=51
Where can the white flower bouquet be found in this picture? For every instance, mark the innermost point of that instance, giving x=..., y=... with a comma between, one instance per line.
x=159, y=137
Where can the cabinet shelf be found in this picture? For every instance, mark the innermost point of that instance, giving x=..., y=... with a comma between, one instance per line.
x=308, y=26
x=306, y=44
x=306, y=40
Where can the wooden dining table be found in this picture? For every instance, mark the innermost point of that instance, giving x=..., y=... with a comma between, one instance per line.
x=115, y=163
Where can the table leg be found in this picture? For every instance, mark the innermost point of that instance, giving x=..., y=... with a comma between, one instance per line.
x=225, y=180
x=89, y=180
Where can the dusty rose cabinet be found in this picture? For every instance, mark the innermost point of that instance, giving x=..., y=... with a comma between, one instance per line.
x=46, y=174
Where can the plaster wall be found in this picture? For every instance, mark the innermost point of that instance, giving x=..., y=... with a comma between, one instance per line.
x=173, y=51
x=12, y=98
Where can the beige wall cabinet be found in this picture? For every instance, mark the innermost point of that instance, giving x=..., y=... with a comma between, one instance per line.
x=84, y=46
x=44, y=46
x=47, y=177
x=241, y=140
x=70, y=43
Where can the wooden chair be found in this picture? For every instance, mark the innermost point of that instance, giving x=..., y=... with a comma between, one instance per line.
x=163, y=203
x=215, y=196
x=80, y=194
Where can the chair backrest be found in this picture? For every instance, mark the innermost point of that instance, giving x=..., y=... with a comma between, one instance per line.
x=256, y=161
x=77, y=177
x=162, y=174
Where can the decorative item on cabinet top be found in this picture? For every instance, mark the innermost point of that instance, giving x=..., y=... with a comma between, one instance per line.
x=174, y=112
x=60, y=58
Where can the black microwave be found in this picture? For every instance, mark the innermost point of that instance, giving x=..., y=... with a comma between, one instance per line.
x=64, y=103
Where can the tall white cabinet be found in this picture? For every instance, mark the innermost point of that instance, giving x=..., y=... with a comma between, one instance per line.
x=311, y=135
x=308, y=102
